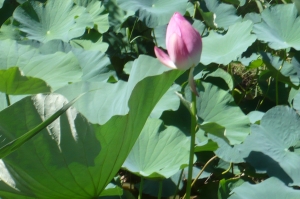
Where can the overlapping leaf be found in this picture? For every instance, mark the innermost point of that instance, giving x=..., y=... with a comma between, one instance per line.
x=96, y=10
x=222, y=49
x=54, y=20
x=220, y=15
x=159, y=152
x=14, y=83
x=280, y=27
x=57, y=69
x=219, y=115
x=73, y=158
x=154, y=12
x=269, y=147
x=265, y=189
x=112, y=94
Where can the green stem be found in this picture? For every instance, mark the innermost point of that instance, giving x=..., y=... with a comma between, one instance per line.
x=192, y=146
x=202, y=170
x=7, y=99
x=160, y=189
x=276, y=88
x=141, y=188
x=178, y=183
x=276, y=80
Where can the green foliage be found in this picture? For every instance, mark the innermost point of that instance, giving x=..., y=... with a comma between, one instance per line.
x=83, y=100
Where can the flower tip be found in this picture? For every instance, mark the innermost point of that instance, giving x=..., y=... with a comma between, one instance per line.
x=164, y=58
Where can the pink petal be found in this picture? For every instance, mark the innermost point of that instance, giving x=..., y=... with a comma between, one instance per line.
x=164, y=58
x=190, y=36
x=178, y=52
x=172, y=28
x=192, y=82
x=192, y=40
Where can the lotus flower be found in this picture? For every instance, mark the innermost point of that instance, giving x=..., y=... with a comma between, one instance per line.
x=184, y=46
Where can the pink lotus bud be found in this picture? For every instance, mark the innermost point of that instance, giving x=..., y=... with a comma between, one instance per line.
x=184, y=44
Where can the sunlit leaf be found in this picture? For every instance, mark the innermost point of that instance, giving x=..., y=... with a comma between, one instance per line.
x=96, y=10
x=57, y=69
x=264, y=190
x=159, y=152
x=14, y=83
x=269, y=147
x=220, y=15
x=215, y=105
x=117, y=94
x=72, y=159
x=222, y=49
x=54, y=20
x=280, y=27
x=154, y=12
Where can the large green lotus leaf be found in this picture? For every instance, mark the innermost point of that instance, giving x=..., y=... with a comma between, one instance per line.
x=94, y=64
x=203, y=143
x=14, y=83
x=154, y=12
x=269, y=147
x=217, y=76
x=89, y=45
x=9, y=31
x=280, y=27
x=220, y=15
x=226, y=151
x=222, y=49
x=270, y=188
x=73, y=158
x=96, y=10
x=53, y=20
x=113, y=97
x=170, y=101
x=57, y=69
x=218, y=114
x=159, y=152
x=255, y=116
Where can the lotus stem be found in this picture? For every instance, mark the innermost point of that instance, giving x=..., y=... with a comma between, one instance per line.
x=192, y=146
x=202, y=170
x=178, y=183
x=7, y=99
x=141, y=188
x=160, y=189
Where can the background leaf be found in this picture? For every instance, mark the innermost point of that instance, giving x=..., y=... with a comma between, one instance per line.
x=270, y=146
x=153, y=12
x=166, y=153
x=14, y=83
x=215, y=105
x=222, y=49
x=280, y=27
x=264, y=190
x=72, y=156
x=54, y=20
